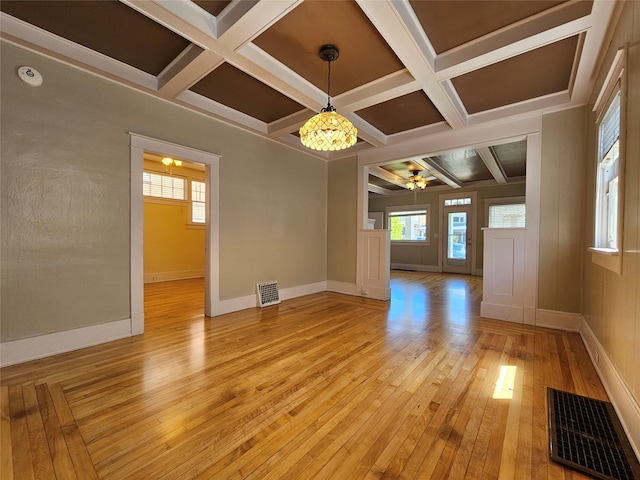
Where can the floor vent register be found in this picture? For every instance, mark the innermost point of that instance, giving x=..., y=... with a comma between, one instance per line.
x=586, y=434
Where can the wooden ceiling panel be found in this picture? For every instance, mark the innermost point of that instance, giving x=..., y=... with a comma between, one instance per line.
x=533, y=74
x=235, y=89
x=295, y=40
x=513, y=158
x=265, y=68
x=450, y=24
x=402, y=113
x=379, y=182
x=465, y=165
x=109, y=27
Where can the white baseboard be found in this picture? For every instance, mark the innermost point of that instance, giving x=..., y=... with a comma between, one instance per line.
x=342, y=287
x=377, y=293
x=558, y=320
x=302, y=290
x=251, y=301
x=415, y=267
x=625, y=405
x=237, y=304
x=529, y=315
x=32, y=348
x=507, y=313
x=168, y=276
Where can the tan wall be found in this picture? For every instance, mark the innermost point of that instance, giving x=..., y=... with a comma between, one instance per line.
x=611, y=302
x=562, y=198
x=342, y=220
x=428, y=255
x=173, y=246
x=65, y=198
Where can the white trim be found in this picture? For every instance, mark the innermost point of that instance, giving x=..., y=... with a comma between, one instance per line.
x=615, y=82
x=156, y=277
x=416, y=267
x=251, y=301
x=136, y=228
x=532, y=232
x=138, y=145
x=32, y=348
x=558, y=320
x=236, y=304
x=507, y=313
x=342, y=287
x=302, y=290
x=625, y=405
x=376, y=293
x=472, y=229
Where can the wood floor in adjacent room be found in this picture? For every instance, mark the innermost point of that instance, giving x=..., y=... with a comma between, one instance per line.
x=325, y=386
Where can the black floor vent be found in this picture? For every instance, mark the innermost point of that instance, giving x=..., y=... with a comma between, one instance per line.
x=586, y=434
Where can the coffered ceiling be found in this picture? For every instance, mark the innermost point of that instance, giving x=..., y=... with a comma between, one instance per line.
x=407, y=69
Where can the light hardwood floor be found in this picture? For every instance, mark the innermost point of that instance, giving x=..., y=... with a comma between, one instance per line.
x=325, y=386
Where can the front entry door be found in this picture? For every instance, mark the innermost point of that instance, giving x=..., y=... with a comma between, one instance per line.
x=457, y=239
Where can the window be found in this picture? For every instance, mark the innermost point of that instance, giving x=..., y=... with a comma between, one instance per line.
x=163, y=186
x=197, y=201
x=409, y=224
x=505, y=212
x=608, y=174
x=507, y=215
x=609, y=166
x=457, y=201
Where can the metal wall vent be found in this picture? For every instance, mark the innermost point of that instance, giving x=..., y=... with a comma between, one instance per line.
x=267, y=294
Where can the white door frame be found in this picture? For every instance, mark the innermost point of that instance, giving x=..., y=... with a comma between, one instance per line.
x=471, y=229
x=138, y=145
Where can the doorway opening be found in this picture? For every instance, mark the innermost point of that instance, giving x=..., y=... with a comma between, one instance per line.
x=174, y=192
x=140, y=145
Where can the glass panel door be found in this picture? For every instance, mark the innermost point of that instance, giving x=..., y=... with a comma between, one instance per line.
x=457, y=236
x=457, y=241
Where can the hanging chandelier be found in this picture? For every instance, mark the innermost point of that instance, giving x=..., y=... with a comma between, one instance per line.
x=328, y=130
x=169, y=163
x=416, y=181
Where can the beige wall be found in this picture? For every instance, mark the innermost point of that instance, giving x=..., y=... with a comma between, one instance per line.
x=611, y=302
x=65, y=198
x=173, y=246
x=428, y=255
x=563, y=172
x=342, y=220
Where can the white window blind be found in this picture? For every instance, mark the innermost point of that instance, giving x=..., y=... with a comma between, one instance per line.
x=197, y=201
x=507, y=215
x=163, y=186
x=607, y=199
x=610, y=128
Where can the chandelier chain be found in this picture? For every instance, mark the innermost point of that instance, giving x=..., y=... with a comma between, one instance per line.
x=329, y=86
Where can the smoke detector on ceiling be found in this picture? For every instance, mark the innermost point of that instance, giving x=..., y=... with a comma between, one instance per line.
x=30, y=76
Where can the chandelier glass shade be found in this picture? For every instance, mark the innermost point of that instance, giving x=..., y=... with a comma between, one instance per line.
x=328, y=130
x=170, y=161
x=416, y=181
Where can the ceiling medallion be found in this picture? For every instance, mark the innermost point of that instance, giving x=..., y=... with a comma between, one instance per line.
x=328, y=130
x=416, y=181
